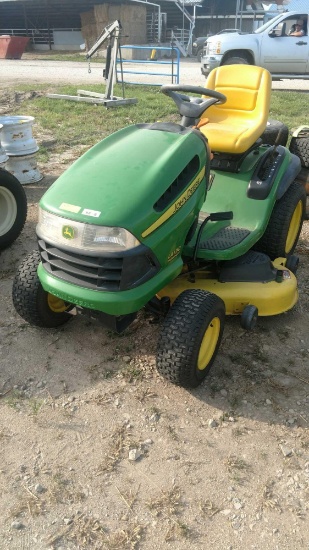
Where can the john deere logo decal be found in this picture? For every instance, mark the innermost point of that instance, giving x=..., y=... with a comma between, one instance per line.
x=68, y=232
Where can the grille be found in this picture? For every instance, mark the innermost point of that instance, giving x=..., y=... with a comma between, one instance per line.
x=100, y=272
x=93, y=272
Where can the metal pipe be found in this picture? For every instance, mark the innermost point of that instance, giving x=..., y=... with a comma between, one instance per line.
x=237, y=12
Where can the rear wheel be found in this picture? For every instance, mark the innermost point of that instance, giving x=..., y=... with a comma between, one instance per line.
x=13, y=208
x=284, y=226
x=32, y=302
x=190, y=337
x=275, y=132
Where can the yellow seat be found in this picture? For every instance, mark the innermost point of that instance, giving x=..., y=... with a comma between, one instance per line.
x=236, y=125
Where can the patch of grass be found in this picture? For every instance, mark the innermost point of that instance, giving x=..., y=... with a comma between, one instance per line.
x=73, y=124
x=119, y=443
x=289, y=108
x=80, y=124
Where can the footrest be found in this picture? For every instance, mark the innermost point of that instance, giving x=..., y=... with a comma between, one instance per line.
x=227, y=237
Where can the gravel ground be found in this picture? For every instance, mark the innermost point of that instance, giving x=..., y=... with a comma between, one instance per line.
x=100, y=453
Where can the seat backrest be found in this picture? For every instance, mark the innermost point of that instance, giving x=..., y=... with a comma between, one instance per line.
x=245, y=113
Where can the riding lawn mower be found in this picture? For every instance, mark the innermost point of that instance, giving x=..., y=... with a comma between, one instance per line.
x=193, y=221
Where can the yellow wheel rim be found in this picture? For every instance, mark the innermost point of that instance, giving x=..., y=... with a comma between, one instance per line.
x=56, y=304
x=294, y=227
x=209, y=344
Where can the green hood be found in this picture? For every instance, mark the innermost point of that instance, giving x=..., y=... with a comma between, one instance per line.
x=121, y=178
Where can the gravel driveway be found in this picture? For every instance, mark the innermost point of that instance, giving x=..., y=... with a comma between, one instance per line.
x=38, y=71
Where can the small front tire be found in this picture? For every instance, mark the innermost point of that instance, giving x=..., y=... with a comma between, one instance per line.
x=292, y=263
x=32, y=302
x=249, y=317
x=190, y=337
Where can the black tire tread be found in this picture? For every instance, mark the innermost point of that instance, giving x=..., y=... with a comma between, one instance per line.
x=11, y=183
x=182, y=329
x=236, y=60
x=300, y=148
x=271, y=133
x=273, y=241
x=29, y=297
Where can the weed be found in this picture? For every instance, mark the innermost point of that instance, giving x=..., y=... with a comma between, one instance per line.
x=240, y=431
x=63, y=491
x=123, y=539
x=177, y=529
x=209, y=508
x=166, y=503
x=115, y=452
x=131, y=373
x=83, y=532
x=172, y=432
x=235, y=463
x=35, y=405
x=30, y=504
x=14, y=399
x=269, y=499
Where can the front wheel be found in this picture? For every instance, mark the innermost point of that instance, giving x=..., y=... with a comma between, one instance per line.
x=285, y=224
x=190, y=337
x=13, y=208
x=32, y=302
x=236, y=61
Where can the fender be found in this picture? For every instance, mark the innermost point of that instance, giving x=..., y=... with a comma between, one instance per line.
x=289, y=176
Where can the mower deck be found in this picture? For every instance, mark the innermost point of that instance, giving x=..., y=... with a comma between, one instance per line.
x=270, y=298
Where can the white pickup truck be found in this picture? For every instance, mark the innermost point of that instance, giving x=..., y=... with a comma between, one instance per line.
x=270, y=46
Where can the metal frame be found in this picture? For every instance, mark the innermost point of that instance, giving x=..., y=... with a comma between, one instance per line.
x=111, y=32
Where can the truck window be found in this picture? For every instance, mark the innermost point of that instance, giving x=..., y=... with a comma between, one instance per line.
x=267, y=25
x=291, y=24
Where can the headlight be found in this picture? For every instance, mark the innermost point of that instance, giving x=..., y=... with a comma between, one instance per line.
x=194, y=44
x=213, y=48
x=82, y=236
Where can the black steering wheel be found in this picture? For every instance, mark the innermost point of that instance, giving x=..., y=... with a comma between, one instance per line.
x=192, y=107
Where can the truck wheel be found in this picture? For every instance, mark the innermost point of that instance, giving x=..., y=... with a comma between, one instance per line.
x=32, y=302
x=199, y=55
x=285, y=223
x=13, y=208
x=190, y=337
x=236, y=61
x=275, y=132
